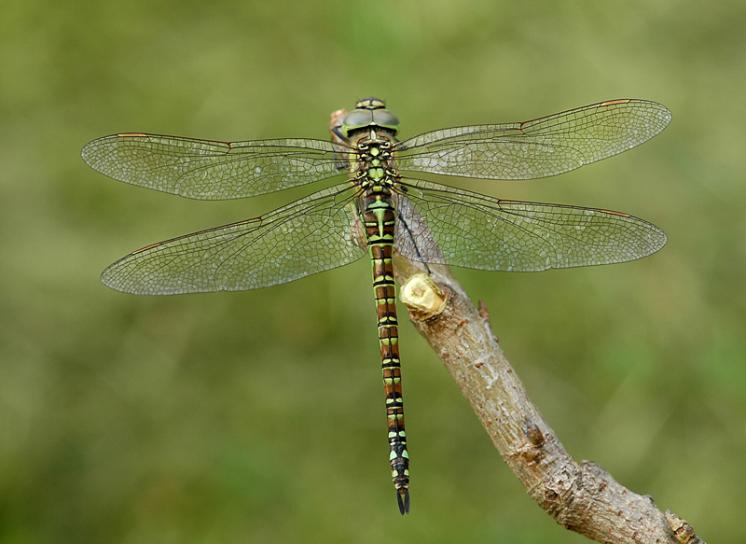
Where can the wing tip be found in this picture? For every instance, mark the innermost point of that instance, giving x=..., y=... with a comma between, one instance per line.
x=110, y=280
x=87, y=152
x=664, y=114
x=661, y=239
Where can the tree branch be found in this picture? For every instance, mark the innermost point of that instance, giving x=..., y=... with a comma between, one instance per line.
x=581, y=497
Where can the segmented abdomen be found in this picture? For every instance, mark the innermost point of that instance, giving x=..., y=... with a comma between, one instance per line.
x=378, y=216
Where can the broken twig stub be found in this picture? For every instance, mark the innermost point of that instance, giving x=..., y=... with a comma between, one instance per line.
x=422, y=296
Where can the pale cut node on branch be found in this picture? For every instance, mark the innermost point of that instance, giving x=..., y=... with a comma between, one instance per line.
x=422, y=296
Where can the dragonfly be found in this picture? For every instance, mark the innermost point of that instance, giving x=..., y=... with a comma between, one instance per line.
x=382, y=205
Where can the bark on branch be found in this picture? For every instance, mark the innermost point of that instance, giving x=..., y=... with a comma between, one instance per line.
x=580, y=496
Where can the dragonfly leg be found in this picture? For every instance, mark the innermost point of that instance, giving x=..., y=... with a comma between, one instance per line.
x=412, y=240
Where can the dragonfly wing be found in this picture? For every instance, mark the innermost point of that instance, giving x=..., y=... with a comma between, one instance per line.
x=316, y=233
x=441, y=225
x=538, y=148
x=212, y=170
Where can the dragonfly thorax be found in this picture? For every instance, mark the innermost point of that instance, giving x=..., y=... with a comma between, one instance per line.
x=375, y=169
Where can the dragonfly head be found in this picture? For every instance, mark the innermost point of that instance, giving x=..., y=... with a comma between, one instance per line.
x=368, y=112
x=370, y=103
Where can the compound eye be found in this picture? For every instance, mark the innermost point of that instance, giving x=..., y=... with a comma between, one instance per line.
x=386, y=119
x=357, y=119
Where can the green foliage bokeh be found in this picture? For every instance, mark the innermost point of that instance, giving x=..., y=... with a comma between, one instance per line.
x=258, y=416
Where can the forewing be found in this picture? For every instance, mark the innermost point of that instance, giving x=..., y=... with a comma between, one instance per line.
x=310, y=235
x=440, y=225
x=212, y=170
x=532, y=149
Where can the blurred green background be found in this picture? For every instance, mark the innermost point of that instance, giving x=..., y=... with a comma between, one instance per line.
x=258, y=416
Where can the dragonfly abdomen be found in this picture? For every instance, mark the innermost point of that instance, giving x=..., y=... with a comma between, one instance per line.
x=379, y=219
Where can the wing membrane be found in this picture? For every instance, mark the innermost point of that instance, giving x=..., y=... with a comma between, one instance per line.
x=313, y=234
x=538, y=148
x=445, y=226
x=212, y=170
